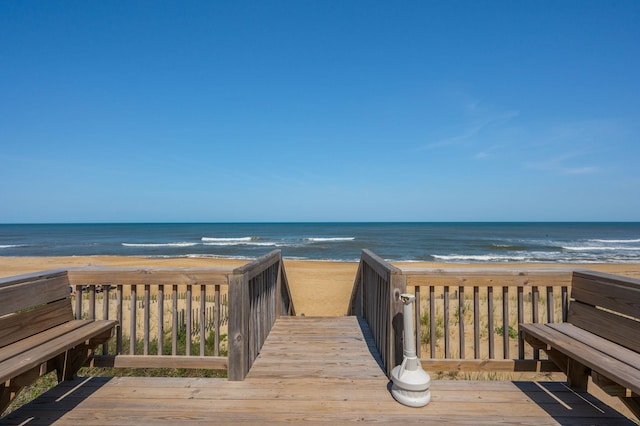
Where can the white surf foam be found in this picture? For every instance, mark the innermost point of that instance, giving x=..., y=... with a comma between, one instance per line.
x=633, y=240
x=180, y=244
x=329, y=239
x=228, y=240
x=598, y=248
x=480, y=258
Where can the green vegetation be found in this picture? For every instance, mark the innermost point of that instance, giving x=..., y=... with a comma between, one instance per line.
x=167, y=345
x=513, y=333
x=425, y=327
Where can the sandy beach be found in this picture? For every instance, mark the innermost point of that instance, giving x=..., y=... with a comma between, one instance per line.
x=318, y=288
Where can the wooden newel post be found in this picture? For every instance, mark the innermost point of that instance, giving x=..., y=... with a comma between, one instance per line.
x=398, y=286
x=238, y=327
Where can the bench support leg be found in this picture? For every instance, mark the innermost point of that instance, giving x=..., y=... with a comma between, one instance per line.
x=6, y=396
x=68, y=363
x=630, y=399
x=10, y=389
x=633, y=404
x=577, y=375
x=558, y=358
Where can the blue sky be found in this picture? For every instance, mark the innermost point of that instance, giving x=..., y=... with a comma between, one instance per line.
x=146, y=111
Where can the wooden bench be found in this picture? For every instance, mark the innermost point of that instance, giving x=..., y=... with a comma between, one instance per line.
x=601, y=337
x=38, y=332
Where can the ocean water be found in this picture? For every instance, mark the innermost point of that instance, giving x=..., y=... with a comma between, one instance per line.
x=441, y=242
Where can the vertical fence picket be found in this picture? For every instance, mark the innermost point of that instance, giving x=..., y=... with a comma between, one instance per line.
x=92, y=302
x=203, y=304
x=174, y=320
x=147, y=317
x=188, y=322
x=505, y=322
x=160, y=319
x=535, y=299
x=105, y=313
x=461, y=321
x=432, y=322
x=216, y=322
x=447, y=331
x=565, y=303
x=550, y=304
x=134, y=320
x=490, y=329
x=476, y=322
x=119, y=298
x=520, y=321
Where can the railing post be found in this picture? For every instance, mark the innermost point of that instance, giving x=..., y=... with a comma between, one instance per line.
x=356, y=300
x=278, y=290
x=376, y=297
x=398, y=286
x=238, y=327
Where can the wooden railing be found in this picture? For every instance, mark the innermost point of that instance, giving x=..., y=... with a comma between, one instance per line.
x=258, y=294
x=376, y=298
x=155, y=309
x=181, y=317
x=466, y=318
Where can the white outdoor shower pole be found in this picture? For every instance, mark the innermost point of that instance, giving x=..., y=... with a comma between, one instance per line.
x=410, y=382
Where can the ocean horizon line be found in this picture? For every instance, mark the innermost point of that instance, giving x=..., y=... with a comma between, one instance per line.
x=449, y=242
x=324, y=222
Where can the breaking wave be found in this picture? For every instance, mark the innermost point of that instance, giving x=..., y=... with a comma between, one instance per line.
x=183, y=244
x=479, y=258
x=633, y=240
x=329, y=239
x=229, y=240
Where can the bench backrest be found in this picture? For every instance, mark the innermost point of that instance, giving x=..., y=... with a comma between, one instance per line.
x=608, y=306
x=30, y=304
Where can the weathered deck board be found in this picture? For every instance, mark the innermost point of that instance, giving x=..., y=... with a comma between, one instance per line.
x=330, y=374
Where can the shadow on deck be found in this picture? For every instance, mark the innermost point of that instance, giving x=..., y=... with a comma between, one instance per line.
x=309, y=370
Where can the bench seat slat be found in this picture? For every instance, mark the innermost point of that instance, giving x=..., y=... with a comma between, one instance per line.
x=622, y=354
x=40, y=339
x=35, y=356
x=612, y=368
x=24, y=324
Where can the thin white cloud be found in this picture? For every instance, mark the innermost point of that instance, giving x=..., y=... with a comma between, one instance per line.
x=583, y=143
x=564, y=164
x=477, y=121
x=581, y=170
x=488, y=152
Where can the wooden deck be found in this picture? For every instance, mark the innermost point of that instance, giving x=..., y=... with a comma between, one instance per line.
x=310, y=370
